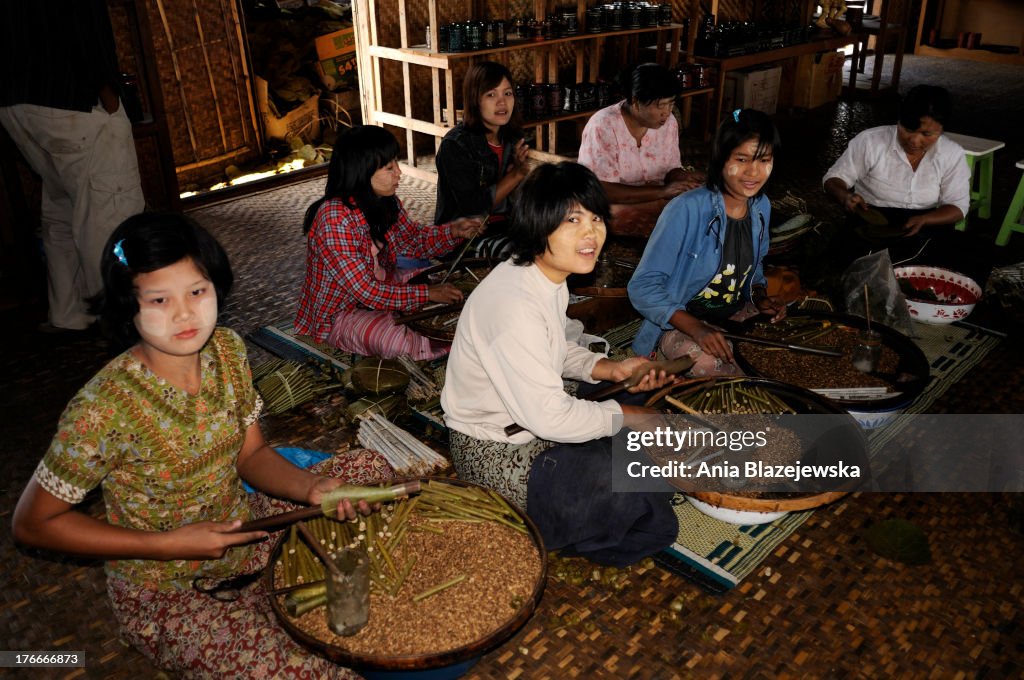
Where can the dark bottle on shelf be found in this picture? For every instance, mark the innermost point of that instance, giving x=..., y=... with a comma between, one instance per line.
x=474, y=35
x=523, y=101
x=665, y=14
x=633, y=16
x=570, y=23
x=554, y=99
x=538, y=100
x=456, y=37
x=613, y=17
x=649, y=15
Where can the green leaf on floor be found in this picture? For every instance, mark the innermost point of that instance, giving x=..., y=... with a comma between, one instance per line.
x=899, y=540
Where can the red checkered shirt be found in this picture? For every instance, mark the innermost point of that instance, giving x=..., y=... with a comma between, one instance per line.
x=339, y=266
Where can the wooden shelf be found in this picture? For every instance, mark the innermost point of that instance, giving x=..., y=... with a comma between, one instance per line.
x=558, y=119
x=378, y=45
x=820, y=43
x=421, y=51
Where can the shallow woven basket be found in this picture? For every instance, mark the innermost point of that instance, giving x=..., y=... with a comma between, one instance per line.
x=807, y=502
x=381, y=663
x=801, y=400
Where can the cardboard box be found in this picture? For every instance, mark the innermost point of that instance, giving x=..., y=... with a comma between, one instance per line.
x=337, y=59
x=818, y=79
x=303, y=121
x=756, y=89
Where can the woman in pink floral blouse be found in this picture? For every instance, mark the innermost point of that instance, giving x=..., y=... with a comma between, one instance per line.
x=633, y=148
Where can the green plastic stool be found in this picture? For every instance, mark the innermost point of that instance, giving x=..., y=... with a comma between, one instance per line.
x=1014, y=220
x=980, y=154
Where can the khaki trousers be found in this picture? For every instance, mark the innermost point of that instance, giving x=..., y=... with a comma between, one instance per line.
x=91, y=184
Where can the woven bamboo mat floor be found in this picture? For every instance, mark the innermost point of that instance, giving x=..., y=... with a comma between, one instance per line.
x=821, y=606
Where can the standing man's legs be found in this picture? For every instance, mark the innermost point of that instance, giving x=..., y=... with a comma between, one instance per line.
x=91, y=183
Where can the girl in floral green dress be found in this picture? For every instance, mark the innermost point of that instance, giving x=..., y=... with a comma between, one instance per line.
x=168, y=431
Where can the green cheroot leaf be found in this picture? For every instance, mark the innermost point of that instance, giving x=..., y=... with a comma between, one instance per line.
x=899, y=540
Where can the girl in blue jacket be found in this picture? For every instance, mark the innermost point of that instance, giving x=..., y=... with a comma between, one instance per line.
x=703, y=262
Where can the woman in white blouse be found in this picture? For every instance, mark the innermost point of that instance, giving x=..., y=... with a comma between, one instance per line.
x=909, y=166
x=508, y=360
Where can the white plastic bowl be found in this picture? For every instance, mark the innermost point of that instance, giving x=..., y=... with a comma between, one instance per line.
x=741, y=517
x=957, y=294
x=872, y=420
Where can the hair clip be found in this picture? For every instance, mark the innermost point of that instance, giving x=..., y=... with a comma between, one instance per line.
x=736, y=115
x=119, y=253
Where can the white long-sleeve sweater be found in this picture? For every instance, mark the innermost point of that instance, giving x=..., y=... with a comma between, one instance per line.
x=508, y=360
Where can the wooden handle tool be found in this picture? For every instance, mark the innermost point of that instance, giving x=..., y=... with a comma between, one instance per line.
x=319, y=550
x=429, y=313
x=331, y=500
x=809, y=349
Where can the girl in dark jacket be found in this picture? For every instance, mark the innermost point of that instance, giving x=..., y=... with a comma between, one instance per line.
x=483, y=159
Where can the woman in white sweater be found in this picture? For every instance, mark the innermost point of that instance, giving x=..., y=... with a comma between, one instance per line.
x=507, y=363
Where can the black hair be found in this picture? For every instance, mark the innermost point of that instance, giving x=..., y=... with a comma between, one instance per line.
x=359, y=152
x=543, y=200
x=148, y=242
x=925, y=101
x=647, y=83
x=739, y=127
x=481, y=78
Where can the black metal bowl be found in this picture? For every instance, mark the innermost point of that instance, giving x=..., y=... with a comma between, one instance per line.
x=912, y=369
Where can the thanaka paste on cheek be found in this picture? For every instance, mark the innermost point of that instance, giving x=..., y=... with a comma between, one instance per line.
x=152, y=322
x=732, y=169
x=207, y=312
x=158, y=322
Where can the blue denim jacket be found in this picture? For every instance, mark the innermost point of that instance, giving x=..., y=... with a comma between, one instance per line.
x=682, y=256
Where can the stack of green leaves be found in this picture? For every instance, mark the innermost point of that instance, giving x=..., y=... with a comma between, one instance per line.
x=286, y=384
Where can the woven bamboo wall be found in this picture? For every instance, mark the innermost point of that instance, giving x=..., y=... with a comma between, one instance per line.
x=734, y=10
x=205, y=84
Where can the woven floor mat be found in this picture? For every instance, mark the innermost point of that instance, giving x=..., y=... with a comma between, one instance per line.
x=821, y=605
x=718, y=555
x=951, y=352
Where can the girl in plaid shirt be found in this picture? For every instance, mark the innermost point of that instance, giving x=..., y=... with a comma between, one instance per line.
x=354, y=236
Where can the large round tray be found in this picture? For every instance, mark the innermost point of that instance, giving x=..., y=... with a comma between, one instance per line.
x=912, y=362
x=442, y=326
x=418, y=662
x=800, y=400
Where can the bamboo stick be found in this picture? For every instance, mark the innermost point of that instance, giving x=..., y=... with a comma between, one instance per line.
x=209, y=75
x=177, y=75
x=438, y=588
